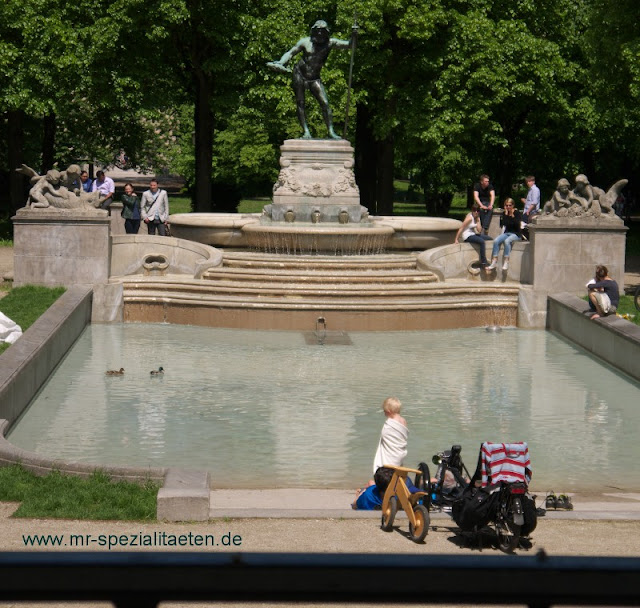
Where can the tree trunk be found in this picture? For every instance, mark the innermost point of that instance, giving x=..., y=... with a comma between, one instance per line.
x=17, y=181
x=365, y=160
x=202, y=195
x=374, y=166
x=385, y=189
x=48, y=142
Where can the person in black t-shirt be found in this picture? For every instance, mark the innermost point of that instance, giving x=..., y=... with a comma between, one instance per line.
x=511, y=221
x=484, y=194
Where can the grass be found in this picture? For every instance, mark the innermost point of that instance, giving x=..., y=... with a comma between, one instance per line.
x=25, y=305
x=627, y=309
x=58, y=496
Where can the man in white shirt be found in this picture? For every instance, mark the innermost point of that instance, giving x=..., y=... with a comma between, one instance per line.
x=155, y=208
x=532, y=202
x=106, y=187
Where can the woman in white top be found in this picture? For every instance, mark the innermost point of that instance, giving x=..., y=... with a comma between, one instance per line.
x=471, y=232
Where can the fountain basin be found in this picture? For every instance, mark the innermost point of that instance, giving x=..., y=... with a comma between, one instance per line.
x=337, y=239
x=232, y=230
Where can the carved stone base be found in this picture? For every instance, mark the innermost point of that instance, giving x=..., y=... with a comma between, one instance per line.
x=566, y=252
x=316, y=183
x=53, y=247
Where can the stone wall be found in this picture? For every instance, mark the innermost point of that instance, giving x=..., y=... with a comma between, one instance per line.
x=66, y=248
x=612, y=339
x=566, y=251
x=27, y=364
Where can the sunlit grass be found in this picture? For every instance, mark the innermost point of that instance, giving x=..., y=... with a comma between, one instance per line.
x=24, y=305
x=61, y=496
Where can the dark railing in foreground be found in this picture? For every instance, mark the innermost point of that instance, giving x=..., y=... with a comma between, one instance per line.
x=145, y=579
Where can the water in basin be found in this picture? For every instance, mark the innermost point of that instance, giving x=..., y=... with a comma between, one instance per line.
x=266, y=409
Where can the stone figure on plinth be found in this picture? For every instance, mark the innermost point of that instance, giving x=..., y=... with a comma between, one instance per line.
x=584, y=200
x=306, y=73
x=58, y=189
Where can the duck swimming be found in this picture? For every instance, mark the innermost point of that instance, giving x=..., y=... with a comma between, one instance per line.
x=115, y=372
x=158, y=371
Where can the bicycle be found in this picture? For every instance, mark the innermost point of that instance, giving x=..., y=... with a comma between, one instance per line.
x=636, y=298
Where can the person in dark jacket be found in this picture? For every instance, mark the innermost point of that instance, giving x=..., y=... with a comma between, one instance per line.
x=511, y=221
x=130, y=210
x=604, y=295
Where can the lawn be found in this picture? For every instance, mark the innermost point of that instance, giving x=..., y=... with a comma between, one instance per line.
x=24, y=305
x=58, y=496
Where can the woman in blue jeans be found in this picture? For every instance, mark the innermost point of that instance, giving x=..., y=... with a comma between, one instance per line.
x=471, y=232
x=511, y=220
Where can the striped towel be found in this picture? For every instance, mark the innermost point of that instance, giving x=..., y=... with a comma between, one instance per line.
x=505, y=462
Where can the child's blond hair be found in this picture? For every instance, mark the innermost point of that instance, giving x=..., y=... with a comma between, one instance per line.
x=392, y=405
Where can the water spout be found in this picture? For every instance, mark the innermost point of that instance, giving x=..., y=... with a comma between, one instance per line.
x=321, y=330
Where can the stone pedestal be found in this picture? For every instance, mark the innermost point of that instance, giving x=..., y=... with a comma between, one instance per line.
x=61, y=247
x=566, y=251
x=316, y=175
x=117, y=221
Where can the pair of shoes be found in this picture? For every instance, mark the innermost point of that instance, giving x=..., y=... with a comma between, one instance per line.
x=564, y=502
x=551, y=502
x=493, y=265
x=505, y=266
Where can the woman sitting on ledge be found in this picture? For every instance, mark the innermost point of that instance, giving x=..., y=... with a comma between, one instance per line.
x=604, y=295
x=511, y=221
x=471, y=232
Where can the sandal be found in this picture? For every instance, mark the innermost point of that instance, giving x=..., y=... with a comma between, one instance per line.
x=551, y=502
x=564, y=502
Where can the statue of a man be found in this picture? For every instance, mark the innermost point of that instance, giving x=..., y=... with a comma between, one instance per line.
x=306, y=73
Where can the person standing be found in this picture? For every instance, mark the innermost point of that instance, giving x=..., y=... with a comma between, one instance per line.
x=392, y=447
x=155, y=208
x=105, y=186
x=131, y=210
x=484, y=194
x=532, y=202
x=85, y=181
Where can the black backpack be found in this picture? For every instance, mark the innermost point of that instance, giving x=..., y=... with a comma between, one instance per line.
x=475, y=508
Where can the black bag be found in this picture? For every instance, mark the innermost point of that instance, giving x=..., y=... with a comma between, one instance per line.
x=475, y=509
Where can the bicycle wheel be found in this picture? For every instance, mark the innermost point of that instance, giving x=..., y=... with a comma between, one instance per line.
x=508, y=535
x=389, y=514
x=421, y=528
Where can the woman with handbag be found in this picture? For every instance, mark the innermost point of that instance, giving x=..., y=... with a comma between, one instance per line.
x=471, y=232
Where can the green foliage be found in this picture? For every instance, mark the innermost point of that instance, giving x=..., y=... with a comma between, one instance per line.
x=61, y=496
x=507, y=87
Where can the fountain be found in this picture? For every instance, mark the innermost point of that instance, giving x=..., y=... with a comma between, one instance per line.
x=316, y=203
x=315, y=210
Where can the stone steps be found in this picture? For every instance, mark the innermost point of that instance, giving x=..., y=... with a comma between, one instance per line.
x=261, y=291
x=335, y=297
x=312, y=263
x=289, y=277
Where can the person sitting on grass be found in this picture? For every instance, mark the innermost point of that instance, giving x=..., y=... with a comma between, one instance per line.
x=604, y=295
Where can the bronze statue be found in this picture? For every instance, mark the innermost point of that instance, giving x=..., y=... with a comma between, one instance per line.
x=306, y=73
